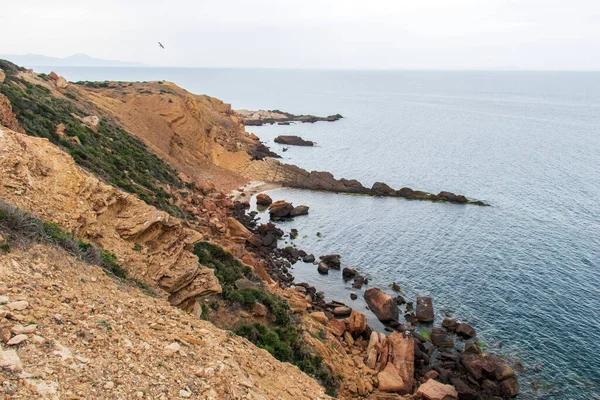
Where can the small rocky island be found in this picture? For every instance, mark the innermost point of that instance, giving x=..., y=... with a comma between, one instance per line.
x=293, y=141
x=264, y=117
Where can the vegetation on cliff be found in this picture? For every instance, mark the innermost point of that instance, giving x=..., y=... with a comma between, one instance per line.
x=109, y=151
x=19, y=228
x=282, y=338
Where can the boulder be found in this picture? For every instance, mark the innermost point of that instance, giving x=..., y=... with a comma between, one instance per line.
x=293, y=140
x=357, y=323
x=509, y=387
x=353, y=296
x=381, y=189
x=434, y=390
x=323, y=268
x=440, y=339
x=340, y=312
x=332, y=260
x=299, y=210
x=92, y=121
x=348, y=273
x=449, y=324
x=2, y=76
x=337, y=326
x=320, y=316
x=402, y=355
x=478, y=365
x=390, y=379
x=424, y=309
x=10, y=360
x=280, y=209
x=465, y=330
x=405, y=192
x=269, y=240
x=465, y=392
x=381, y=304
x=308, y=258
x=259, y=310
x=263, y=199
x=503, y=370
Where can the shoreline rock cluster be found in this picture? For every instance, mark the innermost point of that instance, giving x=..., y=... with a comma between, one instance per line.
x=264, y=117
x=293, y=176
x=445, y=359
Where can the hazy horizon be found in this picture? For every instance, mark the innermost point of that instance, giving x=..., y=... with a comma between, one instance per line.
x=538, y=35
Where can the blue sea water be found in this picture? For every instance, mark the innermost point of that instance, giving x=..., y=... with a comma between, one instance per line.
x=524, y=272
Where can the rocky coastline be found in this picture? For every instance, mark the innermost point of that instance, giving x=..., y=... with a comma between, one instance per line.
x=264, y=117
x=446, y=359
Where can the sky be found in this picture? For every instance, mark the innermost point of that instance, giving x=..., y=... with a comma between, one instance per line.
x=366, y=34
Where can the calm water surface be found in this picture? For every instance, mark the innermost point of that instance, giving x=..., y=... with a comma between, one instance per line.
x=524, y=272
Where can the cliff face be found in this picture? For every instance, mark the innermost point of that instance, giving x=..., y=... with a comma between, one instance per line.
x=40, y=178
x=198, y=135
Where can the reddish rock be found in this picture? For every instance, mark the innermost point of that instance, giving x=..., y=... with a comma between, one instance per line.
x=390, y=379
x=263, y=199
x=381, y=304
x=337, y=326
x=342, y=311
x=434, y=390
x=357, y=323
x=280, y=209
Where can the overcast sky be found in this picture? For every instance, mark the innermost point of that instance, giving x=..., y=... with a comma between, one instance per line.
x=382, y=34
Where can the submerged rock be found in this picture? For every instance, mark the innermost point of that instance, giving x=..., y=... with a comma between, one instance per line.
x=299, y=210
x=332, y=260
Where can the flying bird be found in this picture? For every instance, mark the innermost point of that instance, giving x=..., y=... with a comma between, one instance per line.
x=160, y=44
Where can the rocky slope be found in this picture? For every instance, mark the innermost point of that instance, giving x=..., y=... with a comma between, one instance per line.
x=68, y=331
x=40, y=178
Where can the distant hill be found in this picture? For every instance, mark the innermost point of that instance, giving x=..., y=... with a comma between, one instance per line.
x=76, y=60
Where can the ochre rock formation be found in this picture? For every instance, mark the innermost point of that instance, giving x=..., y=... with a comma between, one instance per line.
x=38, y=177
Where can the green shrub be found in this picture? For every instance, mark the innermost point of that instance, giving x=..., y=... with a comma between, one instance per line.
x=283, y=340
x=285, y=344
x=26, y=227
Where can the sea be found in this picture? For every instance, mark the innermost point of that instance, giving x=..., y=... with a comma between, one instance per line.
x=524, y=272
